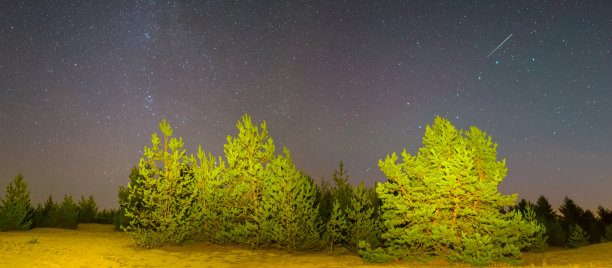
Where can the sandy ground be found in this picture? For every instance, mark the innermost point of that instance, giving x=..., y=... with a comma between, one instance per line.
x=95, y=245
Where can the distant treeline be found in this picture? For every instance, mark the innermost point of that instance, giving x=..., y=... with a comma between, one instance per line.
x=441, y=203
x=17, y=213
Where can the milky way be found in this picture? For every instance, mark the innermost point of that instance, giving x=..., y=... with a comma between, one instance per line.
x=83, y=85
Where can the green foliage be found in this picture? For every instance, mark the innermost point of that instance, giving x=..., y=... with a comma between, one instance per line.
x=42, y=214
x=66, y=216
x=247, y=156
x=16, y=210
x=32, y=240
x=88, y=210
x=289, y=215
x=119, y=219
x=378, y=255
x=342, y=190
x=543, y=210
x=571, y=215
x=208, y=171
x=534, y=238
x=136, y=180
x=361, y=226
x=324, y=200
x=444, y=201
x=476, y=249
x=336, y=226
x=608, y=233
x=556, y=234
x=595, y=232
x=578, y=237
x=163, y=204
x=106, y=216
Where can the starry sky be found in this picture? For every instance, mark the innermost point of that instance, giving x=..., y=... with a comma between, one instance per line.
x=84, y=84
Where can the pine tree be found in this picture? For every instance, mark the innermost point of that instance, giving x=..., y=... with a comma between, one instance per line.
x=342, y=190
x=572, y=214
x=164, y=203
x=42, y=214
x=360, y=218
x=537, y=241
x=289, y=212
x=336, y=226
x=544, y=210
x=578, y=237
x=88, y=209
x=324, y=200
x=247, y=156
x=16, y=210
x=66, y=215
x=209, y=172
x=444, y=201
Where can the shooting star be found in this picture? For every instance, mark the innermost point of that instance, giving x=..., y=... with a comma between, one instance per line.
x=499, y=45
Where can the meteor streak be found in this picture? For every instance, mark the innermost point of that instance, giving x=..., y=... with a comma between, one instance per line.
x=499, y=45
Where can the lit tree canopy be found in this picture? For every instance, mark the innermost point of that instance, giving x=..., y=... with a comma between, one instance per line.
x=444, y=201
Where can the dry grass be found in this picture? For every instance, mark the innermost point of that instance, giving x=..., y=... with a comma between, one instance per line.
x=95, y=245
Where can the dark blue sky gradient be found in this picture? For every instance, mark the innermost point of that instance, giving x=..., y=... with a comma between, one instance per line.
x=83, y=85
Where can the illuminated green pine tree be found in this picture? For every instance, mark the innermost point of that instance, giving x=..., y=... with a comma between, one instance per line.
x=578, y=237
x=360, y=218
x=208, y=171
x=342, y=190
x=535, y=240
x=16, y=210
x=88, y=210
x=444, y=201
x=247, y=156
x=336, y=226
x=289, y=213
x=163, y=204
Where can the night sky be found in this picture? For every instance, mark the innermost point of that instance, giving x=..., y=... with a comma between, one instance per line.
x=84, y=84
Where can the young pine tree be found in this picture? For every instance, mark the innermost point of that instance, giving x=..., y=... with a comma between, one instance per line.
x=209, y=172
x=163, y=204
x=578, y=237
x=88, y=210
x=66, y=215
x=360, y=219
x=247, y=156
x=342, y=190
x=444, y=202
x=325, y=200
x=336, y=226
x=123, y=194
x=42, y=214
x=537, y=241
x=16, y=210
x=289, y=213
